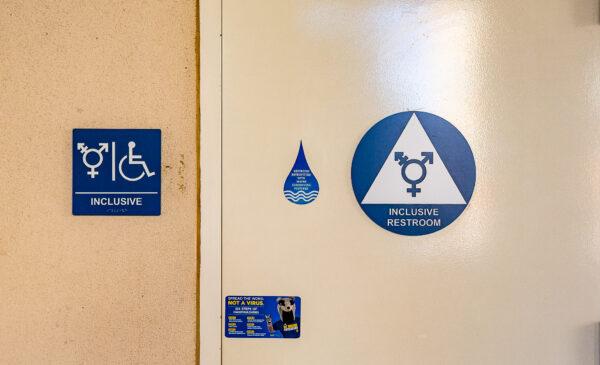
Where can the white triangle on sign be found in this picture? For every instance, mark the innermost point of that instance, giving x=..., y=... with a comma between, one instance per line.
x=390, y=186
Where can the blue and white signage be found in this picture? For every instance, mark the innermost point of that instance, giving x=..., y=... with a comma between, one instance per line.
x=413, y=173
x=116, y=171
x=262, y=316
x=301, y=186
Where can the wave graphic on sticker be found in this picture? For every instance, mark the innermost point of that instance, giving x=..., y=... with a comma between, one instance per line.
x=301, y=186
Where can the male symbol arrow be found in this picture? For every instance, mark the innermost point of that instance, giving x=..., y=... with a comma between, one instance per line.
x=427, y=157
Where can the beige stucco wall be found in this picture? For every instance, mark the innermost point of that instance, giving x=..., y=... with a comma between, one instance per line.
x=95, y=290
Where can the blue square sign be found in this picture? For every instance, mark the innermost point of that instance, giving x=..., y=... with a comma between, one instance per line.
x=116, y=171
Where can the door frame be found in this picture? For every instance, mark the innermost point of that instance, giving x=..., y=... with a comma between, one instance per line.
x=210, y=79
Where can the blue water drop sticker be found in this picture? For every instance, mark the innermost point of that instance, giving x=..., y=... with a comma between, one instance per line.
x=301, y=186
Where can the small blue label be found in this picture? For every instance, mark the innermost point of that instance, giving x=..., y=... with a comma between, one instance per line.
x=262, y=317
x=413, y=173
x=116, y=171
x=301, y=185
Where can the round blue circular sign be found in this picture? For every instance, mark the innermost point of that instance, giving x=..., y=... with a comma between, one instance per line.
x=413, y=173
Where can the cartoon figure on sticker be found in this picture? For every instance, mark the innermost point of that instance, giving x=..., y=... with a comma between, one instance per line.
x=288, y=324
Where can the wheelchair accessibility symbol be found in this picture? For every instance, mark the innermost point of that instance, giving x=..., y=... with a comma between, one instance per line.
x=97, y=158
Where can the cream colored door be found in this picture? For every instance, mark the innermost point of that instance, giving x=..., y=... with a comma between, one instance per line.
x=516, y=279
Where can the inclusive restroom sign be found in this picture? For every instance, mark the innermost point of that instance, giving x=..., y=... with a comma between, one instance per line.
x=116, y=171
x=413, y=173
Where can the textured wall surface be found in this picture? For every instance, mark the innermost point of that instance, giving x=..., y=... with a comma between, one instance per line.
x=95, y=290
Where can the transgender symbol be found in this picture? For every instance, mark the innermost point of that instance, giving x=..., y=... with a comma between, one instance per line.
x=405, y=162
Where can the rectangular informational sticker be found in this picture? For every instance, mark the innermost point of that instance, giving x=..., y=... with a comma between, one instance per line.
x=116, y=171
x=262, y=316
